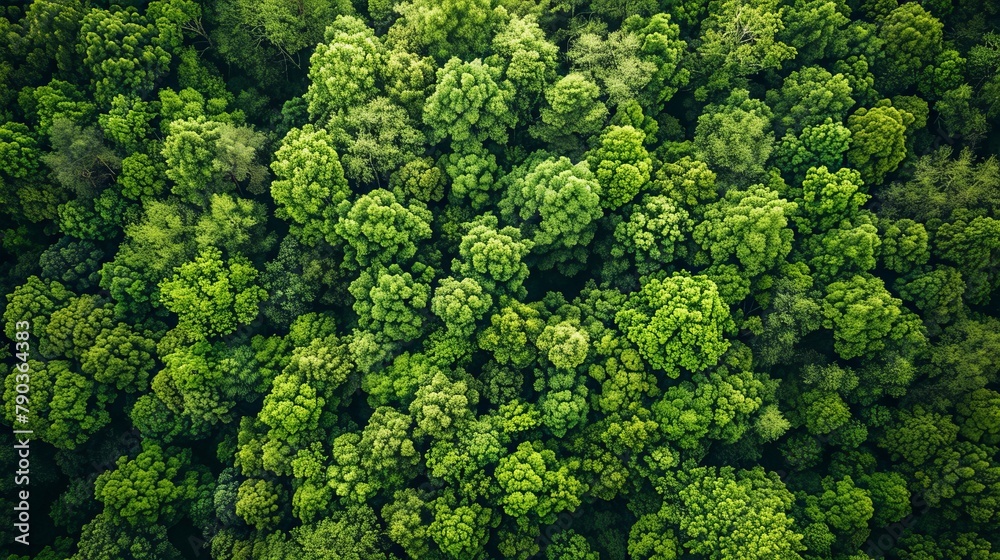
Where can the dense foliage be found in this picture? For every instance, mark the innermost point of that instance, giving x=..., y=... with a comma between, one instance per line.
x=469, y=279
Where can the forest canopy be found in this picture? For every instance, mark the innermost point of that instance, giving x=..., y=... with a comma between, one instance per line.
x=476, y=279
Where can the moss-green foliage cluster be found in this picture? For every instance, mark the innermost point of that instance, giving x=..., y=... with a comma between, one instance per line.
x=472, y=279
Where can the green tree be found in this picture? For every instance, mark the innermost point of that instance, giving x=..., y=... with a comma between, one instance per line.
x=343, y=69
x=129, y=121
x=493, y=256
x=863, y=315
x=120, y=356
x=816, y=29
x=21, y=157
x=904, y=245
x=651, y=537
x=736, y=137
x=161, y=241
x=653, y=235
x=459, y=530
x=726, y=514
x=467, y=105
x=71, y=329
x=73, y=263
x=960, y=116
x=571, y=546
x=889, y=495
x=156, y=487
x=374, y=139
x=713, y=406
x=233, y=225
x=56, y=99
x=391, y=302
x=212, y=296
x=641, y=60
x=142, y=175
x=419, y=179
x=688, y=182
x=511, y=334
x=313, y=496
x=389, y=451
x=726, y=57
x=878, y=140
x=962, y=481
x=808, y=97
x=946, y=73
x=293, y=410
x=79, y=160
x=471, y=172
x=446, y=29
x=259, y=503
x=937, y=294
x=623, y=377
x=913, y=39
x=460, y=304
x=309, y=181
x=189, y=103
x=620, y=164
x=354, y=533
x=850, y=248
x=572, y=112
x=126, y=51
x=105, y=537
x=556, y=204
x=750, y=225
x=844, y=508
x=829, y=198
x=193, y=386
x=943, y=182
x=380, y=230
x=398, y=382
x=676, y=322
x=529, y=61
x=236, y=157
x=461, y=462
x=51, y=29
x=34, y=302
x=202, y=153
x=964, y=350
x=663, y=46
x=408, y=80
x=66, y=408
x=188, y=152
x=289, y=28
x=267, y=39
x=97, y=219
x=442, y=406
x=823, y=145
x=404, y=521
x=950, y=545
x=564, y=344
x=974, y=245
x=978, y=416
x=534, y=481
